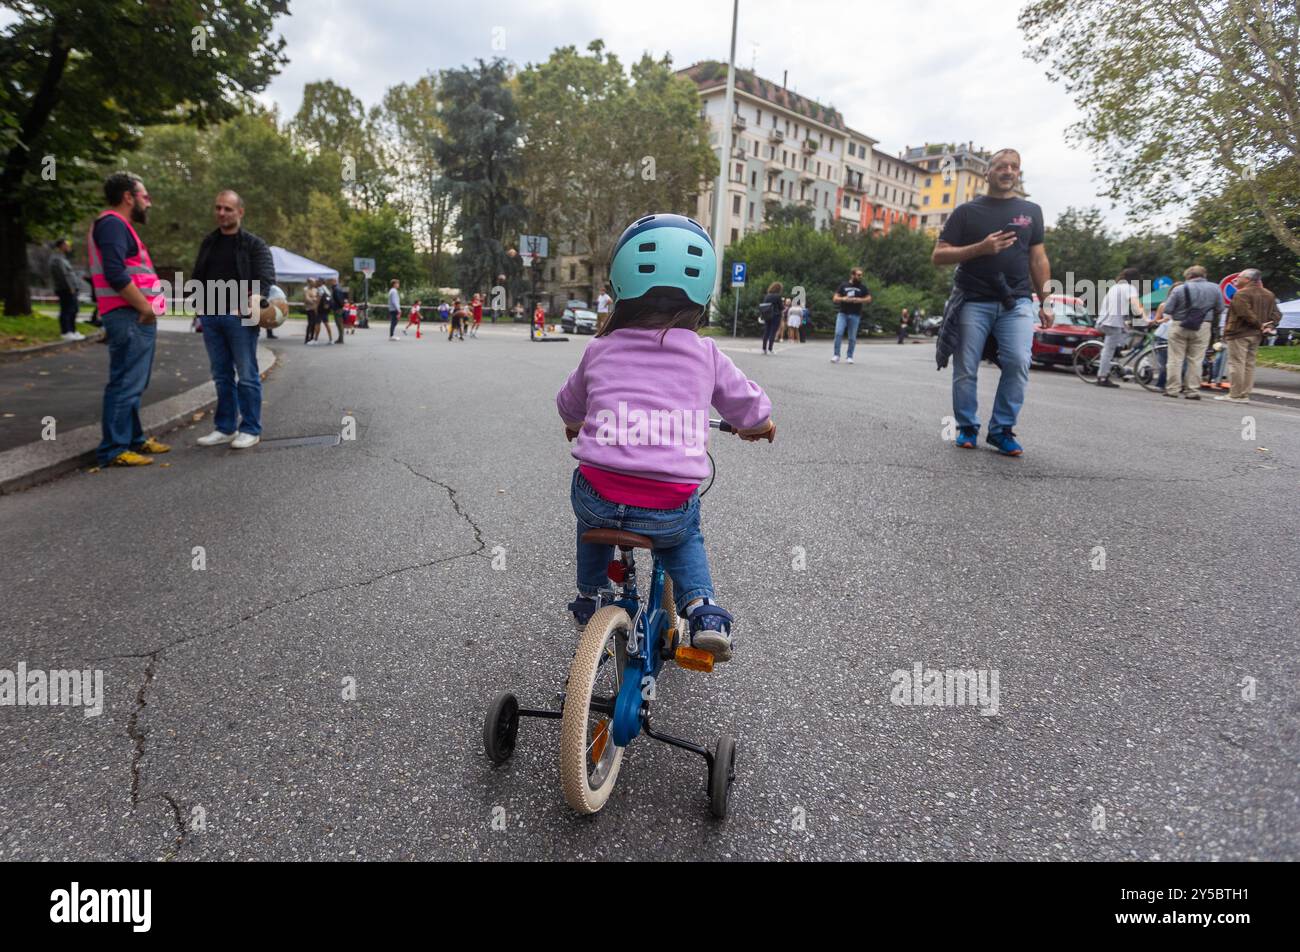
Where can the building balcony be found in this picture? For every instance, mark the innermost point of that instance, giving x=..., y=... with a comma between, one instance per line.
x=855, y=185
x=806, y=176
x=810, y=146
x=738, y=123
x=776, y=135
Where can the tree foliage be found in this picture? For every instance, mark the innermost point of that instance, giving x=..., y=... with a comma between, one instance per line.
x=79, y=81
x=1176, y=93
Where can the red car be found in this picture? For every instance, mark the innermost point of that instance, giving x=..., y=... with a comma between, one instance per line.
x=1072, y=327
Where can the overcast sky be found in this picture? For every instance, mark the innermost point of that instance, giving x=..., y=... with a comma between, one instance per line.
x=923, y=70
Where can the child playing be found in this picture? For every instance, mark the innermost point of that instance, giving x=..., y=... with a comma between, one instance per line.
x=539, y=321
x=638, y=404
x=352, y=317
x=458, y=317
x=413, y=318
x=444, y=312
x=478, y=316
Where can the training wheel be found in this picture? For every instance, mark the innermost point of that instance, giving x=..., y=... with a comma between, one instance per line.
x=721, y=775
x=500, y=728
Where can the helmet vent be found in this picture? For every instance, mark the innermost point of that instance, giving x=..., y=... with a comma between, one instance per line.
x=646, y=268
x=647, y=246
x=694, y=250
x=692, y=272
x=642, y=221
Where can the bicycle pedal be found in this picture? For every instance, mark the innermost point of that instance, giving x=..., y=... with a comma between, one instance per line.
x=694, y=659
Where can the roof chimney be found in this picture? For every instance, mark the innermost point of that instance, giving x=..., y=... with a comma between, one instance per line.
x=785, y=75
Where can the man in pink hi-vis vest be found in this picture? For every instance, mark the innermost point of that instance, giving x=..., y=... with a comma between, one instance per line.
x=129, y=301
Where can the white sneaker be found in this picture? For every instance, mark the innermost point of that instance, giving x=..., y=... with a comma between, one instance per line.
x=243, y=441
x=392, y=340
x=835, y=360
x=77, y=335
x=215, y=438
x=68, y=336
x=1234, y=399
x=848, y=360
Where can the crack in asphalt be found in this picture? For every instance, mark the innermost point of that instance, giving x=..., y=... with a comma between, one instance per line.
x=139, y=736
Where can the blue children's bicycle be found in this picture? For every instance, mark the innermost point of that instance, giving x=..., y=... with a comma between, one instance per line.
x=612, y=683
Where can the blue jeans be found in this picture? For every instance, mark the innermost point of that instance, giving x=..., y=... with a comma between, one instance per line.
x=67, y=312
x=1014, y=330
x=1220, y=365
x=232, y=349
x=130, y=361
x=846, y=324
x=679, y=543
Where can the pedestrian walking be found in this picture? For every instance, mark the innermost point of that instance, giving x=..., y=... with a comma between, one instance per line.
x=603, y=305
x=1120, y=305
x=996, y=241
x=476, y=308
x=902, y=326
x=793, y=321
x=129, y=299
x=849, y=298
x=770, y=309
x=229, y=257
x=394, y=307
x=311, y=300
x=1252, y=314
x=338, y=302
x=1192, y=310
x=65, y=284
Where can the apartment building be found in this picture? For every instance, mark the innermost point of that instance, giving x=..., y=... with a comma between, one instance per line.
x=786, y=149
x=952, y=173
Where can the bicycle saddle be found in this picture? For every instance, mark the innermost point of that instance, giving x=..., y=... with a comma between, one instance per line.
x=624, y=540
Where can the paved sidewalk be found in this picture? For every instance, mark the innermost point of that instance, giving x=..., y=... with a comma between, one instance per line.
x=69, y=386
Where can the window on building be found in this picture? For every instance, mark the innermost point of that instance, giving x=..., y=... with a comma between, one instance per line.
x=947, y=197
x=751, y=211
x=755, y=147
x=552, y=278
x=573, y=272
x=857, y=205
x=925, y=200
x=760, y=118
x=787, y=127
x=753, y=180
x=846, y=201
x=927, y=183
x=735, y=236
x=781, y=186
x=735, y=204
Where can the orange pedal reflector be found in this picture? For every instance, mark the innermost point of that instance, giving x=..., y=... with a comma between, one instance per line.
x=599, y=741
x=696, y=659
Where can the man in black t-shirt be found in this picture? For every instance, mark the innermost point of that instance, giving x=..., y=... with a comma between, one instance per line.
x=996, y=241
x=849, y=298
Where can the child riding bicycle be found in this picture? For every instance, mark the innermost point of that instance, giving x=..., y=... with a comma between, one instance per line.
x=638, y=404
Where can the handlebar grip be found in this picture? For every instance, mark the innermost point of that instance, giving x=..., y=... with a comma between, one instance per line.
x=726, y=427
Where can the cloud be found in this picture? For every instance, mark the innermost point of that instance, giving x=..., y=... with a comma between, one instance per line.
x=902, y=71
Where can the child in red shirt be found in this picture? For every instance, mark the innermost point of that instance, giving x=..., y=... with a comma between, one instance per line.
x=413, y=318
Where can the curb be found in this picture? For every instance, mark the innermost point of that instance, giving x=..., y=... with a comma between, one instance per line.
x=25, y=466
x=42, y=350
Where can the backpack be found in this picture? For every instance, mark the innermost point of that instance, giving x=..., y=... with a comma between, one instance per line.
x=1194, y=317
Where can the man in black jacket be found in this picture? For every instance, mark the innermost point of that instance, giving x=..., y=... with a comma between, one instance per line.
x=230, y=259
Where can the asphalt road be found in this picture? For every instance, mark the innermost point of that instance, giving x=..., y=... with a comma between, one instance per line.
x=225, y=733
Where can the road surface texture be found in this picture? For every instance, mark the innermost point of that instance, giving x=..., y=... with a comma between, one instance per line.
x=317, y=690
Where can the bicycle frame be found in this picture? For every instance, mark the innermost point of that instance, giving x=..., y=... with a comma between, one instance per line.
x=645, y=655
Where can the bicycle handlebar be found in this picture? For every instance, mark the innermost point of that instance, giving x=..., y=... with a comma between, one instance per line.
x=725, y=427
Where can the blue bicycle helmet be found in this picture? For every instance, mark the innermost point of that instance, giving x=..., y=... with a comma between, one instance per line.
x=670, y=251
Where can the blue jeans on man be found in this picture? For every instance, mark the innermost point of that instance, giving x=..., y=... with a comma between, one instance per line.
x=68, y=305
x=130, y=362
x=679, y=542
x=846, y=324
x=232, y=352
x=1014, y=330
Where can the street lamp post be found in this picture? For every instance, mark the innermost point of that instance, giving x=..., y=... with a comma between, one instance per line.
x=720, y=199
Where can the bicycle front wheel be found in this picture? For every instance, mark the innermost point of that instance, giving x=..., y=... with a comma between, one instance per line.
x=589, y=758
x=1146, y=368
x=1086, y=358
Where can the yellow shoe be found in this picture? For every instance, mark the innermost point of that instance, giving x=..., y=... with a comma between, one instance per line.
x=128, y=458
x=153, y=446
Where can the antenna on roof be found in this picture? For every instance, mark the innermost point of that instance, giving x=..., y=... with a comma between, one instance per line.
x=785, y=75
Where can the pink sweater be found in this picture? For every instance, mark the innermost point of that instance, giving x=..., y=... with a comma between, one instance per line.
x=643, y=404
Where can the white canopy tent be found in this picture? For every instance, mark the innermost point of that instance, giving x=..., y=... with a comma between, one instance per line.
x=1290, y=314
x=294, y=269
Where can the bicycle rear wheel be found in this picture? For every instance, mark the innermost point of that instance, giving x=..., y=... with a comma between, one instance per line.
x=589, y=759
x=1146, y=369
x=1086, y=358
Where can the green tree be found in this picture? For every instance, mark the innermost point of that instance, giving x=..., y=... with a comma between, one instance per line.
x=777, y=214
x=803, y=259
x=1225, y=233
x=384, y=237
x=333, y=124
x=411, y=124
x=1153, y=254
x=1180, y=91
x=81, y=80
x=481, y=164
x=1080, y=246
x=604, y=146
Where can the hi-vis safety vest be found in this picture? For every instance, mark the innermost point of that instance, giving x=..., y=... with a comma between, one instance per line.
x=139, y=266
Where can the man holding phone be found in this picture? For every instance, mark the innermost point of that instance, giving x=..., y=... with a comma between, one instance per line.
x=996, y=241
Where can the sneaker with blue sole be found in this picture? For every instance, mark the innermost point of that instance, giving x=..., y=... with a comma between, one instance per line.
x=1005, y=442
x=967, y=439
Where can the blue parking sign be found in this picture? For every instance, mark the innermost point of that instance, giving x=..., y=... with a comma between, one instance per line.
x=737, y=274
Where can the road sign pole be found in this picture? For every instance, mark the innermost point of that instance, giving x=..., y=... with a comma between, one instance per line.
x=735, y=314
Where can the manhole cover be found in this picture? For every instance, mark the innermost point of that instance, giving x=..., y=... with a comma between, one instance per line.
x=330, y=439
